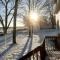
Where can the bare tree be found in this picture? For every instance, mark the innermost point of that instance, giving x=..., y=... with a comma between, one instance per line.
x=14, y=22
x=32, y=5
x=27, y=11
x=50, y=10
x=7, y=13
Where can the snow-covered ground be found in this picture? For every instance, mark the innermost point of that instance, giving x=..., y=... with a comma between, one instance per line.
x=8, y=51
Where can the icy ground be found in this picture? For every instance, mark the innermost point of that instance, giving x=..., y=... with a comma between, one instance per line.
x=8, y=51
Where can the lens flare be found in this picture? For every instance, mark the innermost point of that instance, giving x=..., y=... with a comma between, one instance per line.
x=34, y=16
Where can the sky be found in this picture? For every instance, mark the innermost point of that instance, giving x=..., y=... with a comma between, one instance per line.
x=2, y=10
x=20, y=21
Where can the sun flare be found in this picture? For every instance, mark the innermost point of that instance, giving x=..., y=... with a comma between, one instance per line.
x=34, y=16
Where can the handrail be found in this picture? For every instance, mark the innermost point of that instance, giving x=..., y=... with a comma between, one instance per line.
x=40, y=49
x=51, y=36
x=56, y=40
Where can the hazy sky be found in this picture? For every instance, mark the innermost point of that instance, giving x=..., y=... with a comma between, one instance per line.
x=19, y=20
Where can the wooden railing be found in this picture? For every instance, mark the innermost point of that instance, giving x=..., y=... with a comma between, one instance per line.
x=36, y=54
x=50, y=42
x=52, y=48
x=55, y=39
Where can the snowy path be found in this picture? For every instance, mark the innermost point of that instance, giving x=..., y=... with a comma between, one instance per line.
x=24, y=44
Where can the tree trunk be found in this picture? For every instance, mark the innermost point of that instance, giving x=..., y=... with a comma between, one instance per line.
x=53, y=21
x=5, y=30
x=31, y=31
x=14, y=22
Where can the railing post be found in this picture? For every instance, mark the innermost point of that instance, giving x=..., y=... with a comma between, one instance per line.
x=42, y=51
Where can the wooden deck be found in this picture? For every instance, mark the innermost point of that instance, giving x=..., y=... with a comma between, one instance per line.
x=36, y=54
x=44, y=52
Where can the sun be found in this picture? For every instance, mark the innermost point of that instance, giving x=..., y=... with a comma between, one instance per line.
x=33, y=16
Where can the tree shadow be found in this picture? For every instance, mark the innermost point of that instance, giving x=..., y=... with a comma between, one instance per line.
x=2, y=41
x=28, y=46
x=9, y=36
x=6, y=50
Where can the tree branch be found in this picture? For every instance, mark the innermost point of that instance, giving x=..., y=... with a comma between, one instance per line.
x=1, y=20
x=10, y=10
x=9, y=22
x=2, y=2
x=8, y=1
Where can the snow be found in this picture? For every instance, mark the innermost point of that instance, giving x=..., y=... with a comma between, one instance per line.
x=24, y=44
